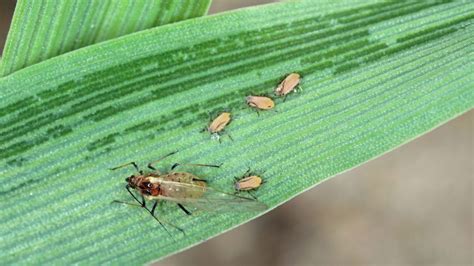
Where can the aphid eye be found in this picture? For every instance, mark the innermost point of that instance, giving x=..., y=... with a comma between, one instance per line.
x=148, y=185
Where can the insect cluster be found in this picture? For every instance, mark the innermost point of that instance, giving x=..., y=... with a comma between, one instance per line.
x=257, y=102
x=190, y=192
x=186, y=190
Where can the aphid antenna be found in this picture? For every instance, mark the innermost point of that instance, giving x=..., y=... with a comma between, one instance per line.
x=195, y=164
x=127, y=164
x=162, y=158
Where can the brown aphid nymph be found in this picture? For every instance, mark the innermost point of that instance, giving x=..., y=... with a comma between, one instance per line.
x=260, y=102
x=288, y=84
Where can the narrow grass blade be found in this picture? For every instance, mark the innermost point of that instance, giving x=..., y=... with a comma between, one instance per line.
x=42, y=29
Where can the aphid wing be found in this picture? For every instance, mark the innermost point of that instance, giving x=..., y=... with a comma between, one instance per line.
x=227, y=203
x=205, y=198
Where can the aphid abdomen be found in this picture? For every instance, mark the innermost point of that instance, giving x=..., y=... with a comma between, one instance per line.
x=181, y=177
x=168, y=189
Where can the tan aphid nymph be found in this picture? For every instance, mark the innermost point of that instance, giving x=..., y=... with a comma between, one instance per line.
x=288, y=84
x=219, y=123
x=248, y=183
x=260, y=102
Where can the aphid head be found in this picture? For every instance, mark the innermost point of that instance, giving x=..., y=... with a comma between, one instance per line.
x=131, y=181
x=237, y=185
x=149, y=189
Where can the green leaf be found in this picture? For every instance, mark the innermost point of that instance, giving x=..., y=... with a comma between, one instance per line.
x=42, y=29
x=375, y=75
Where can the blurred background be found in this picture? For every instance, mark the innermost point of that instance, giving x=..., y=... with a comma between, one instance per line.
x=412, y=206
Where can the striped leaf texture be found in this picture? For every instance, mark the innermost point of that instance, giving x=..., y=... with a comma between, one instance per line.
x=42, y=29
x=375, y=74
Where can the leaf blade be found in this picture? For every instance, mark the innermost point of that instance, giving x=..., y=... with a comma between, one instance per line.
x=44, y=29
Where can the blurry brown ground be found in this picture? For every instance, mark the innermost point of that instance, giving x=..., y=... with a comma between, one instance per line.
x=412, y=206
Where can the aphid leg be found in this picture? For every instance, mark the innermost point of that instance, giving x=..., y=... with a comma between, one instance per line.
x=152, y=212
x=127, y=164
x=247, y=172
x=255, y=198
x=230, y=137
x=153, y=208
x=284, y=98
x=184, y=209
x=194, y=164
x=133, y=195
x=143, y=202
x=143, y=205
x=153, y=168
x=202, y=180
